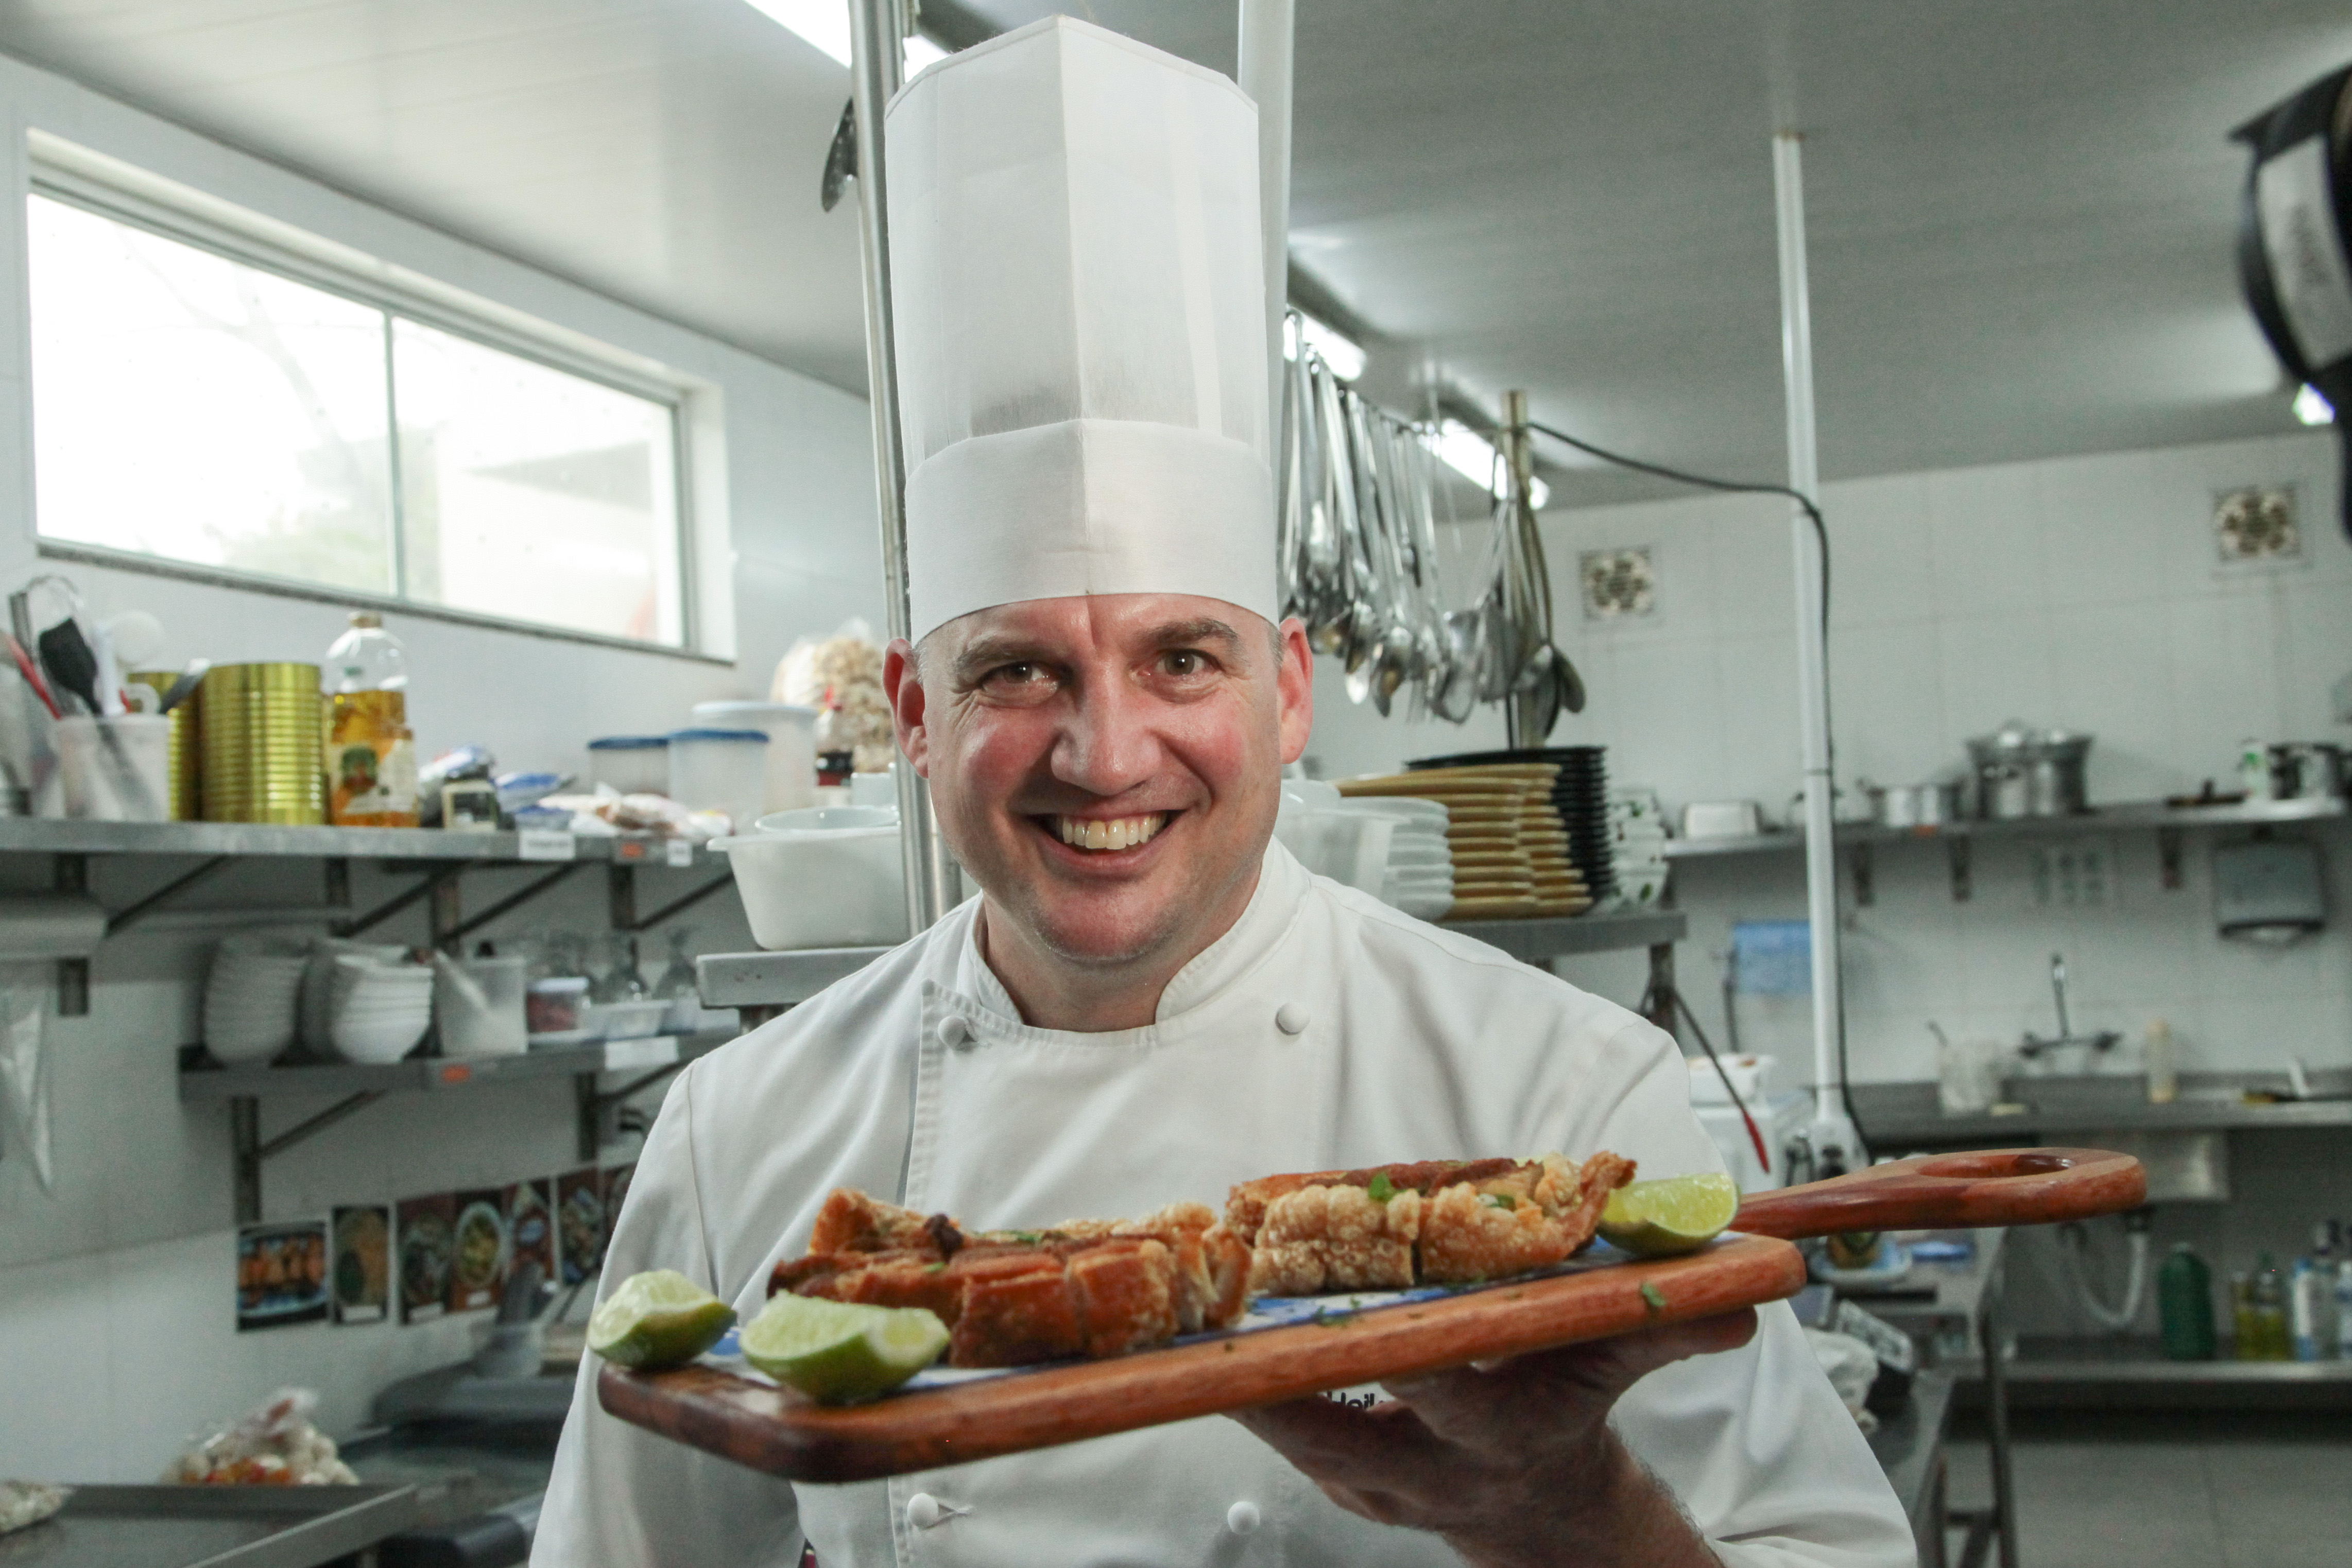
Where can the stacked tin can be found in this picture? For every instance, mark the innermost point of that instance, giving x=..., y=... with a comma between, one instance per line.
x=262, y=729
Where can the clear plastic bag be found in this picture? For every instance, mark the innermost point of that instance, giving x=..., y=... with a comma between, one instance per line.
x=273, y=1444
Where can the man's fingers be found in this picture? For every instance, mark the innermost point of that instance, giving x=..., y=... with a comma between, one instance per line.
x=1383, y=1448
x=1567, y=1388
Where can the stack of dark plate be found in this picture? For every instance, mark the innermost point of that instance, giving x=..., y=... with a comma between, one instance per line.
x=1579, y=794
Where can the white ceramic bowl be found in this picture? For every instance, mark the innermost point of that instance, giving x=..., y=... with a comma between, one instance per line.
x=250, y=1003
x=829, y=877
x=376, y=1041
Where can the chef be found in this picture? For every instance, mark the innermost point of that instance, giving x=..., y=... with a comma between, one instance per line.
x=1150, y=999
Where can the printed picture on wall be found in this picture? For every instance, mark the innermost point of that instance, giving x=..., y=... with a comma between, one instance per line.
x=362, y=1263
x=531, y=1229
x=477, y=1258
x=281, y=1274
x=579, y=1222
x=427, y=1242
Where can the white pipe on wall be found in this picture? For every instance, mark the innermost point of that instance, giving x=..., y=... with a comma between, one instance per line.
x=1833, y=1133
x=1269, y=28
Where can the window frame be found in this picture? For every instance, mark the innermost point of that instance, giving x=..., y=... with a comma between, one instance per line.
x=318, y=263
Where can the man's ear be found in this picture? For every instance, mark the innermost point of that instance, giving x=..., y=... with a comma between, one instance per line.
x=902, y=684
x=1294, y=690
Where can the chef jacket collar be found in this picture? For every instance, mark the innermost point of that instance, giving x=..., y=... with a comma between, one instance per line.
x=1227, y=962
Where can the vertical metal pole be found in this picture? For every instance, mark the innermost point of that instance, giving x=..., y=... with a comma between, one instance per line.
x=1269, y=29
x=245, y=1157
x=878, y=62
x=1812, y=665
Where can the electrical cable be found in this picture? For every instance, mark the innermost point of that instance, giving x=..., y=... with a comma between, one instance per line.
x=1755, y=1133
x=1829, y=731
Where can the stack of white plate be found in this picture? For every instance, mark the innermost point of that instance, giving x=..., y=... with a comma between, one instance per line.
x=1637, y=841
x=318, y=982
x=250, y=998
x=376, y=1012
x=1419, y=878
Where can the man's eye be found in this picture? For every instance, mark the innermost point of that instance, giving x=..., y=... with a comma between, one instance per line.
x=1016, y=679
x=1183, y=663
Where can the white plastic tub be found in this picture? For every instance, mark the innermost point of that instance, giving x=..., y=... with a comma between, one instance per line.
x=478, y=1003
x=719, y=770
x=825, y=878
x=130, y=781
x=791, y=730
x=632, y=764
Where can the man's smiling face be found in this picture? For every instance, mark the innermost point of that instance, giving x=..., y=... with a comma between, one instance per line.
x=1108, y=768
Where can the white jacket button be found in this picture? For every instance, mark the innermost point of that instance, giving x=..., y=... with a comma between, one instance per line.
x=1242, y=1519
x=953, y=1031
x=923, y=1511
x=1290, y=1019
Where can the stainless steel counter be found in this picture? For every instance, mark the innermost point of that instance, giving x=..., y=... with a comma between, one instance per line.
x=214, y=1527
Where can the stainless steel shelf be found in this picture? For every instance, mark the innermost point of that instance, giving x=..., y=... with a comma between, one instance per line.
x=787, y=979
x=1906, y=1114
x=2151, y=815
x=1534, y=941
x=443, y=1072
x=58, y=835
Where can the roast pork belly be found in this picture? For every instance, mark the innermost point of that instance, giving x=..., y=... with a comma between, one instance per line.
x=1428, y=1222
x=1095, y=1288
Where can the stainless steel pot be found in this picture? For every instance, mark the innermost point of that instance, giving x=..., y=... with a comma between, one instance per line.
x=2024, y=772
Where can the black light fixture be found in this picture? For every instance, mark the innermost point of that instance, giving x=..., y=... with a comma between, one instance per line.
x=2293, y=243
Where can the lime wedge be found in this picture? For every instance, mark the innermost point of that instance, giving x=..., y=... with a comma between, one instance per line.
x=837, y=1351
x=1674, y=1214
x=658, y=1319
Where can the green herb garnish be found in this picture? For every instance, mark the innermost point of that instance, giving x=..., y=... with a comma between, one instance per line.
x=1028, y=1238
x=1654, y=1296
x=934, y=1268
x=1500, y=1200
x=1380, y=1188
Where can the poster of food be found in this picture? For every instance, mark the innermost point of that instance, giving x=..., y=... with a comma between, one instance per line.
x=427, y=1242
x=477, y=1257
x=579, y=1222
x=281, y=1274
x=362, y=1270
x=531, y=1229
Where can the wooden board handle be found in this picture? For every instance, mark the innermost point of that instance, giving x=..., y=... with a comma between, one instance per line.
x=1933, y=1192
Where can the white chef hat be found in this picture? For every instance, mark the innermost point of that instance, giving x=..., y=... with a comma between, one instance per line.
x=1079, y=303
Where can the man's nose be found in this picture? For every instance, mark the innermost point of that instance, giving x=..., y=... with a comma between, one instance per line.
x=1107, y=745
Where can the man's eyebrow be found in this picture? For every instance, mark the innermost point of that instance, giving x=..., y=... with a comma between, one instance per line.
x=1201, y=629
x=987, y=651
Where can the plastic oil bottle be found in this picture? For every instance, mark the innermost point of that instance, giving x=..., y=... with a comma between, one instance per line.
x=2266, y=1297
x=371, y=752
x=2311, y=1299
x=2343, y=1305
x=2184, y=1304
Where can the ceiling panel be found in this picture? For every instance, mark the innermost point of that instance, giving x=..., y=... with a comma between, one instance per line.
x=2021, y=212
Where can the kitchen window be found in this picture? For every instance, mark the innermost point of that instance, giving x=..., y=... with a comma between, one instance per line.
x=193, y=403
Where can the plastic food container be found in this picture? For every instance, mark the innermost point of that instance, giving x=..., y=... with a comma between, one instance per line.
x=830, y=877
x=792, y=747
x=556, y=1011
x=130, y=781
x=632, y=764
x=625, y=1020
x=479, y=1005
x=719, y=770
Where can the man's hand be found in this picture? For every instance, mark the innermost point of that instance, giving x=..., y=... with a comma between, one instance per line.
x=1513, y=1463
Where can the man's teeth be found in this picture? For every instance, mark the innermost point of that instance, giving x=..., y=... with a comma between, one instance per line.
x=1109, y=832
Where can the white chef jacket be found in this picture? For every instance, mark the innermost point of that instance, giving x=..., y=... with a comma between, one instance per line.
x=1324, y=1030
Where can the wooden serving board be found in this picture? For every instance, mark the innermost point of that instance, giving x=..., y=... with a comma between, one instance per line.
x=780, y=1432
x=755, y=1423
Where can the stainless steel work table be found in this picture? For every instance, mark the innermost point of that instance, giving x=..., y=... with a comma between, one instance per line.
x=215, y=1527
x=1954, y=1312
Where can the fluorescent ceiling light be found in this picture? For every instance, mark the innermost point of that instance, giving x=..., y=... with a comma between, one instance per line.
x=1474, y=457
x=823, y=24
x=1336, y=349
x=2312, y=407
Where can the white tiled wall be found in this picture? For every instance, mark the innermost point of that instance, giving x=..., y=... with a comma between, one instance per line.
x=2081, y=592
x=116, y=1290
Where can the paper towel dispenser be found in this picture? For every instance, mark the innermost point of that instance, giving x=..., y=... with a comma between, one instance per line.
x=2269, y=890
